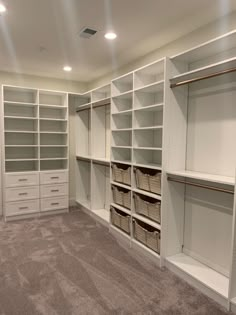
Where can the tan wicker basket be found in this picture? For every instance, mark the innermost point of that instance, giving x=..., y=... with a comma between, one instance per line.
x=121, y=196
x=147, y=235
x=149, y=180
x=120, y=220
x=148, y=207
x=121, y=173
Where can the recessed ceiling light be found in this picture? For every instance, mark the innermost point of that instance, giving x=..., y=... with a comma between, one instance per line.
x=2, y=8
x=110, y=35
x=67, y=68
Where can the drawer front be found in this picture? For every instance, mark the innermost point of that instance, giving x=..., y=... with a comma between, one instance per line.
x=53, y=190
x=53, y=177
x=54, y=203
x=26, y=193
x=22, y=207
x=21, y=179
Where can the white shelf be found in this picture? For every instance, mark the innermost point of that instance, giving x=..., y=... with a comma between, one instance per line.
x=123, y=94
x=83, y=107
x=103, y=214
x=121, y=185
x=124, y=129
x=124, y=112
x=102, y=102
x=207, y=276
x=53, y=145
x=153, y=107
x=148, y=128
x=147, y=221
x=53, y=119
x=83, y=157
x=121, y=146
x=21, y=131
x=102, y=160
x=21, y=117
x=21, y=145
x=147, y=193
x=151, y=165
x=121, y=162
x=205, y=177
x=84, y=203
x=148, y=148
x=121, y=208
x=18, y=160
x=54, y=132
x=153, y=87
x=21, y=103
x=52, y=106
x=204, y=71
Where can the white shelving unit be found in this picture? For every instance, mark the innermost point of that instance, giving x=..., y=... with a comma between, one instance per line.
x=34, y=129
x=199, y=206
x=137, y=111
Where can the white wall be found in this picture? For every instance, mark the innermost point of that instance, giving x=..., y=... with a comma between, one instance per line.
x=201, y=35
x=52, y=84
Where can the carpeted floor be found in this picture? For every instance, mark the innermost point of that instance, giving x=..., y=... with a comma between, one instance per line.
x=69, y=265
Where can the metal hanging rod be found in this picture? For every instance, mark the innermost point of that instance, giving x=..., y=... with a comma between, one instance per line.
x=227, y=191
x=173, y=85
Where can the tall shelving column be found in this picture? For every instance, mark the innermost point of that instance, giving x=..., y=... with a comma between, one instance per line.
x=199, y=208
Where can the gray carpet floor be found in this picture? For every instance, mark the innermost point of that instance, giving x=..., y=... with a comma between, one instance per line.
x=68, y=264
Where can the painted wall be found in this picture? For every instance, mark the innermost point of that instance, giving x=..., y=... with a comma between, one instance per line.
x=52, y=84
x=199, y=36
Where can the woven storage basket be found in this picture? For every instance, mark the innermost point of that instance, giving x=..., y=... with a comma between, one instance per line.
x=120, y=220
x=149, y=180
x=147, y=235
x=148, y=207
x=122, y=196
x=121, y=173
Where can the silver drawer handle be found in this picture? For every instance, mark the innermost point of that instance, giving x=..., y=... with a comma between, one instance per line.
x=23, y=194
x=54, y=203
x=22, y=179
x=54, y=190
x=55, y=177
x=23, y=208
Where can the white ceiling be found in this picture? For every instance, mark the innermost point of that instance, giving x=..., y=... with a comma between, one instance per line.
x=40, y=36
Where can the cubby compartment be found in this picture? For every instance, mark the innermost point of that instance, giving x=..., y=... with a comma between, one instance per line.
x=83, y=133
x=101, y=132
x=147, y=207
x=18, y=138
x=52, y=98
x=122, y=103
x=148, y=180
x=101, y=93
x=53, y=126
x=21, y=153
x=53, y=139
x=149, y=74
x=12, y=124
x=83, y=183
x=53, y=152
x=59, y=164
x=148, y=96
x=122, y=84
x=122, y=138
x=148, y=117
x=100, y=201
x=48, y=112
x=123, y=121
x=121, y=154
x=121, y=220
x=21, y=166
x=121, y=196
x=151, y=138
x=151, y=158
x=147, y=235
x=121, y=173
x=20, y=110
x=19, y=95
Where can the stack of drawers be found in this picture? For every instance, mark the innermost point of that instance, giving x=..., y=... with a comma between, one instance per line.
x=35, y=192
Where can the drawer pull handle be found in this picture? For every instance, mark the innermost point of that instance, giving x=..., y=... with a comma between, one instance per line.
x=23, y=208
x=22, y=179
x=54, y=203
x=54, y=190
x=55, y=177
x=23, y=194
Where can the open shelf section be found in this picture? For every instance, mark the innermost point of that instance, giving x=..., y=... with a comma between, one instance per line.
x=18, y=138
x=102, y=214
x=101, y=94
x=121, y=154
x=122, y=138
x=53, y=164
x=20, y=110
x=80, y=101
x=52, y=112
x=149, y=95
x=147, y=193
x=147, y=157
x=21, y=153
x=122, y=103
x=122, y=84
x=20, y=95
x=83, y=133
x=148, y=138
x=120, y=185
x=123, y=121
x=12, y=124
x=52, y=98
x=149, y=74
x=83, y=183
x=21, y=166
x=225, y=180
x=207, y=276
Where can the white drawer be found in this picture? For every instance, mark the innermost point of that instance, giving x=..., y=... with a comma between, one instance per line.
x=53, y=177
x=53, y=190
x=21, y=179
x=25, y=193
x=54, y=203
x=22, y=207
